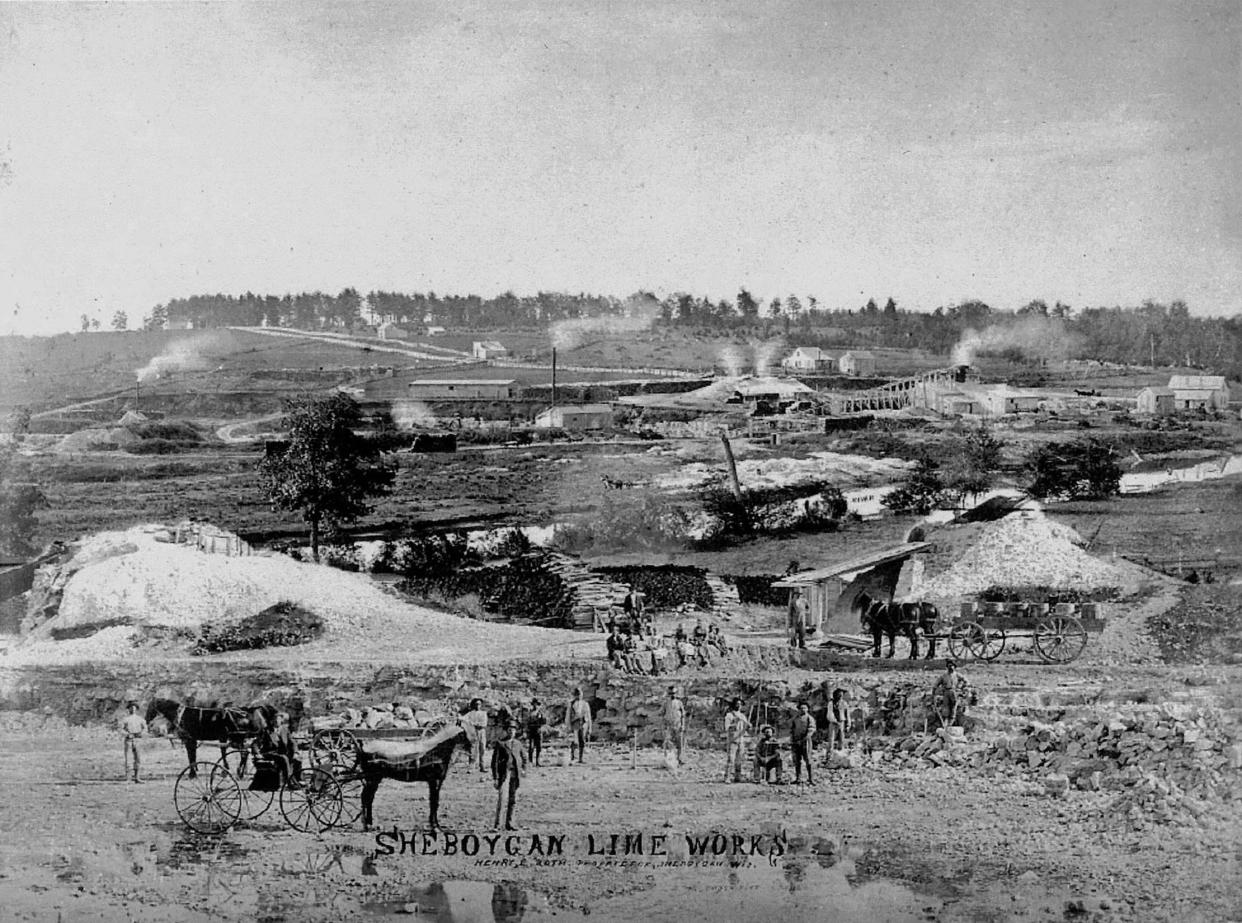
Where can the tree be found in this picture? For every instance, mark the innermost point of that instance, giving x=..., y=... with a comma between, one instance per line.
x=120, y=321
x=157, y=319
x=18, y=522
x=976, y=458
x=747, y=306
x=94, y=323
x=921, y=491
x=1085, y=469
x=86, y=323
x=326, y=471
x=871, y=307
x=890, y=307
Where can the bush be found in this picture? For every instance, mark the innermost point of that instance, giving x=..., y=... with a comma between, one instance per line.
x=758, y=590
x=342, y=557
x=282, y=625
x=159, y=446
x=171, y=432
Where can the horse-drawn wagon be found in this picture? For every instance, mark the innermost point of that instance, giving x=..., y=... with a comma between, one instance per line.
x=1059, y=631
x=331, y=781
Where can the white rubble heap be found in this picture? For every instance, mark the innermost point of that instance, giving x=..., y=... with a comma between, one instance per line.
x=120, y=589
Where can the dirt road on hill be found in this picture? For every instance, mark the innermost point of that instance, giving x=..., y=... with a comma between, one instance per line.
x=874, y=843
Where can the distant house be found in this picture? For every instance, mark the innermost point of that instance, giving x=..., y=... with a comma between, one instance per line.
x=434, y=331
x=809, y=359
x=1199, y=392
x=575, y=417
x=1156, y=400
x=772, y=391
x=390, y=331
x=857, y=362
x=488, y=349
x=1000, y=401
x=461, y=389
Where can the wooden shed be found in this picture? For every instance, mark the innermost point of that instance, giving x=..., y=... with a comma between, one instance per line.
x=831, y=591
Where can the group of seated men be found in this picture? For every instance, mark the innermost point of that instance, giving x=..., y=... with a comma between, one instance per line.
x=636, y=651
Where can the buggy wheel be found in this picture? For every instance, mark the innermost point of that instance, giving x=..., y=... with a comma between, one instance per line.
x=965, y=639
x=991, y=645
x=335, y=747
x=255, y=803
x=207, y=798
x=1060, y=638
x=351, y=801
x=311, y=804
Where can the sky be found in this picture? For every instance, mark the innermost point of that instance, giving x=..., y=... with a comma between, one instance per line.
x=1089, y=152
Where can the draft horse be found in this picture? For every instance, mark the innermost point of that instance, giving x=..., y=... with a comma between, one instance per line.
x=881, y=618
x=230, y=727
x=425, y=760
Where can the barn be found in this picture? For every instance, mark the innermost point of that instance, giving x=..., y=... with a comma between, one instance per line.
x=488, y=349
x=858, y=362
x=1156, y=400
x=462, y=389
x=575, y=417
x=1199, y=392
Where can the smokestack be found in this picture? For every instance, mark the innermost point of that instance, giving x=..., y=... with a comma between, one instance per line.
x=553, y=376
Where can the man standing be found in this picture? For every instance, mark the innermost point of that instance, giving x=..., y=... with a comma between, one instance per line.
x=799, y=611
x=950, y=695
x=674, y=724
x=133, y=727
x=634, y=610
x=578, y=717
x=477, y=718
x=801, y=742
x=838, y=720
x=736, y=727
x=506, y=770
x=535, y=720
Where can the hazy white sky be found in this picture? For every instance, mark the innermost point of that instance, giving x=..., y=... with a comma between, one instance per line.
x=1083, y=151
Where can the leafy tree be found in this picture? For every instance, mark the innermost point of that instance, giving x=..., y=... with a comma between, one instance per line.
x=94, y=323
x=890, y=307
x=326, y=471
x=975, y=461
x=120, y=321
x=747, y=306
x=1086, y=469
x=921, y=491
x=871, y=307
x=19, y=504
x=85, y=321
x=157, y=318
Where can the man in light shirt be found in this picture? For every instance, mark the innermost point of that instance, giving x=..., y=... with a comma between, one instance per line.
x=674, y=724
x=477, y=718
x=133, y=727
x=736, y=727
x=578, y=717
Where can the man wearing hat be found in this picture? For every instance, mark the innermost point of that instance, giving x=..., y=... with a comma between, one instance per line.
x=133, y=727
x=535, y=721
x=506, y=768
x=768, y=756
x=950, y=695
x=736, y=726
x=674, y=724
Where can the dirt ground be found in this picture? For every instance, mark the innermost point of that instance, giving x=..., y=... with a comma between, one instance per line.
x=871, y=843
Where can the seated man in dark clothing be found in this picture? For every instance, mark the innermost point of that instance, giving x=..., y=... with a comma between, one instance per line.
x=274, y=746
x=768, y=757
x=616, y=649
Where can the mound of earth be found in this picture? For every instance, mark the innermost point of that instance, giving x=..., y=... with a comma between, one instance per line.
x=1024, y=549
x=122, y=588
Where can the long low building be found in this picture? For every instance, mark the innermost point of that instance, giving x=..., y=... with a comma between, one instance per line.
x=462, y=389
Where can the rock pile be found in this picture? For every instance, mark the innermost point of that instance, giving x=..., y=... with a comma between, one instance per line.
x=1168, y=763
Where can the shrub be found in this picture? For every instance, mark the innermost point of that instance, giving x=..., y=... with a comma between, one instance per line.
x=171, y=432
x=282, y=625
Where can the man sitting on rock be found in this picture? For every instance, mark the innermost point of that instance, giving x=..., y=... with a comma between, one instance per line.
x=768, y=757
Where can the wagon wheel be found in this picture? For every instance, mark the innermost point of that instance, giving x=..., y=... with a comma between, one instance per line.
x=351, y=800
x=1060, y=638
x=208, y=799
x=991, y=645
x=966, y=639
x=312, y=803
x=255, y=802
x=335, y=747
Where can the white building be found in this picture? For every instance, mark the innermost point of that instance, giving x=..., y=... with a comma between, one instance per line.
x=575, y=417
x=1199, y=392
x=809, y=359
x=488, y=349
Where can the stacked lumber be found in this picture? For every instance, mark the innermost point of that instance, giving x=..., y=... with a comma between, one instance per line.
x=592, y=592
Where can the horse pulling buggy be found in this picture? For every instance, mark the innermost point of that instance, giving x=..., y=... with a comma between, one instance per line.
x=330, y=782
x=1059, y=631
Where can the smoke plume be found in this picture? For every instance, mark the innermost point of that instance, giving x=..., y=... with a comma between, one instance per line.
x=179, y=356
x=641, y=312
x=732, y=361
x=765, y=352
x=407, y=414
x=1035, y=337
